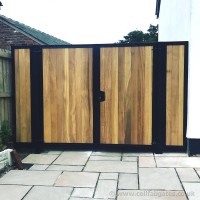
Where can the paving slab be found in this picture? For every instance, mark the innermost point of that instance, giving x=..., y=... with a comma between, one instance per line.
x=79, y=198
x=39, y=159
x=72, y=158
x=187, y=175
x=13, y=192
x=192, y=190
x=111, y=166
x=103, y=153
x=38, y=167
x=48, y=193
x=83, y=192
x=77, y=179
x=69, y=168
x=111, y=158
x=137, y=154
x=150, y=195
x=54, y=152
x=109, y=176
x=106, y=189
x=159, y=179
x=128, y=181
x=147, y=161
x=189, y=162
x=171, y=155
x=24, y=177
x=129, y=158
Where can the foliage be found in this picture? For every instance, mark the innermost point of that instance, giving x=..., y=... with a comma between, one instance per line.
x=5, y=135
x=138, y=36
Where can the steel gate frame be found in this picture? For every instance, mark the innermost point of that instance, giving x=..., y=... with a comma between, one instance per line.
x=158, y=101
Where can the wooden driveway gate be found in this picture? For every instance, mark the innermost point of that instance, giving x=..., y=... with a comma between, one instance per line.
x=130, y=97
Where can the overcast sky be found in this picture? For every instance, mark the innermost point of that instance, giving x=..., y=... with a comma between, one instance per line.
x=83, y=21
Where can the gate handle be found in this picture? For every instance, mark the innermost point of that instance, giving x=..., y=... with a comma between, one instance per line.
x=101, y=96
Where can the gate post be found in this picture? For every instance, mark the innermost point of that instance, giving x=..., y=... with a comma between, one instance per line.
x=159, y=97
x=36, y=98
x=96, y=97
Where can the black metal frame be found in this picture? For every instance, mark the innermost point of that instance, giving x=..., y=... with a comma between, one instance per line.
x=96, y=93
x=36, y=70
x=158, y=101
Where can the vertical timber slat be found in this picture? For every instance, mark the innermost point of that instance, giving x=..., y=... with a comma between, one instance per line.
x=47, y=99
x=142, y=102
x=22, y=92
x=175, y=95
x=72, y=99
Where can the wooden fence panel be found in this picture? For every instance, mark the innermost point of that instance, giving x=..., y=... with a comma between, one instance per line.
x=5, y=87
x=126, y=78
x=22, y=95
x=68, y=95
x=175, y=95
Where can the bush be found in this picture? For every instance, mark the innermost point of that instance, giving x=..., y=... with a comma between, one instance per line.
x=5, y=135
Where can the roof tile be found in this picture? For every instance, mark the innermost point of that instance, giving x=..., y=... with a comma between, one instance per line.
x=34, y=33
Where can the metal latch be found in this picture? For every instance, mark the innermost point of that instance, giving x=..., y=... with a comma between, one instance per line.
x=101, y=96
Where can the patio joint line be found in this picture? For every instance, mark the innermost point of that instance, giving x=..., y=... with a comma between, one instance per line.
x=73, y=188
x=58, y=177
x=181, y=184
x=117, y=188
x=117, y=185
x=138, y=172
x=155, y=160
x=95, y=187
x=86, y=162
x=29, y=185
x=53, y=160
x=197, y=173
x=27, y=192
x=47, y=168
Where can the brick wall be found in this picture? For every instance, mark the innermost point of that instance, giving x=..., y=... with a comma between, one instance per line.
x=10, y=36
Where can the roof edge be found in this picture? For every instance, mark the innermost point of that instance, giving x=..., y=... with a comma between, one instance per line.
x=5, y=20
x=21, y=31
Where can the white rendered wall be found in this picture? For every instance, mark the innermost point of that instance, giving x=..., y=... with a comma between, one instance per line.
x=174, y=20
x=193, y=130
x=180, y=21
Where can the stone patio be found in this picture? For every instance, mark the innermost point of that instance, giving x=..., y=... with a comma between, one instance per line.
x=85, y=175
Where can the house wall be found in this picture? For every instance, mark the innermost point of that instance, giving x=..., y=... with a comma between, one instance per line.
x=174, y=20
x=10, y=36
x=194, y=72
x=179, y=21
